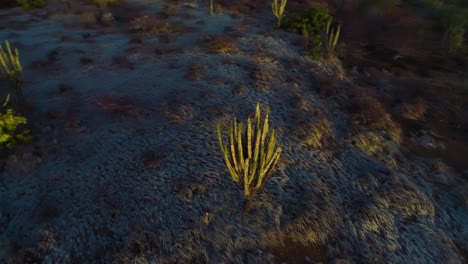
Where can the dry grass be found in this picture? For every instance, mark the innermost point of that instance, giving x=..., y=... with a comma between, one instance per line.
x=168, y=11
x=89, y=19
x=220, y=45
x=414, y=111
x=263, y=77
x=369, y=112
x=316, y=134
x=196, y=72
x=150, y=25
x=373, y=144
x=177, y=109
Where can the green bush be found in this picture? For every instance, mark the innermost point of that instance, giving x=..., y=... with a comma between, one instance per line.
x=313, y=19
x=31, y=4
x=310, y=22
x=10, y=135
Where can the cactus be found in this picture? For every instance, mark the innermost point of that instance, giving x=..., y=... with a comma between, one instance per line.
x=331, y=37
x=251, y=155
x=278, y=10
x=11, y=68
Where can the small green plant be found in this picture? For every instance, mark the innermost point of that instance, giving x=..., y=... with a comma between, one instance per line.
x=9, y=123
x=278, y=10
x=308, y=23
x=11, y=68
x=31, y=4
x=315, y=18
x=251, y=155
x=331, y=37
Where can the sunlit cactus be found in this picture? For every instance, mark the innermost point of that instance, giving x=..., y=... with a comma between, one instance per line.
x=331, y=37
x=11, y=68
x=278, y=10
x=251, y=155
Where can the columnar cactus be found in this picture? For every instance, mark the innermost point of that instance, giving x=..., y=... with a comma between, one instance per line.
x=251, y=155
x=278, y=10
x=11, y=68
x=331, y=37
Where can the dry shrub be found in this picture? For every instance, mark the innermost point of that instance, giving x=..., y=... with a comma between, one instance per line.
x=372, y=143
x=169, y=11
x=220, y=45
x=330, y=88
x=315, y=134
x=177, y=110
x=410, y=203
x=196, y=72
x=263, y=74
x=152, y=26
x=366, y=109
x=414, y=111
x=331, y=66
x=88, y=18
x=302, y=104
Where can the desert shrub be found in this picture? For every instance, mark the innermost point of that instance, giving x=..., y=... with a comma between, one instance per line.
x=88, y=18
x=315, y=135
x=149, y=25
x=369, y=143
x=308, y=23
x=10, y=134
x=31, y=4
x=220, y=44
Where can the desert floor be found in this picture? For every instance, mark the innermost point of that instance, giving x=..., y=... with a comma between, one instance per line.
x=125, y=165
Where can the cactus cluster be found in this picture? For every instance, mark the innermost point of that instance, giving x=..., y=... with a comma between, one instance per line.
x=331, y=37
x=251, y=155
x=11, y=68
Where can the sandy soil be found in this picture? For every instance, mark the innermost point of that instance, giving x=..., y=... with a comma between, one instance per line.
x=126, y=167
